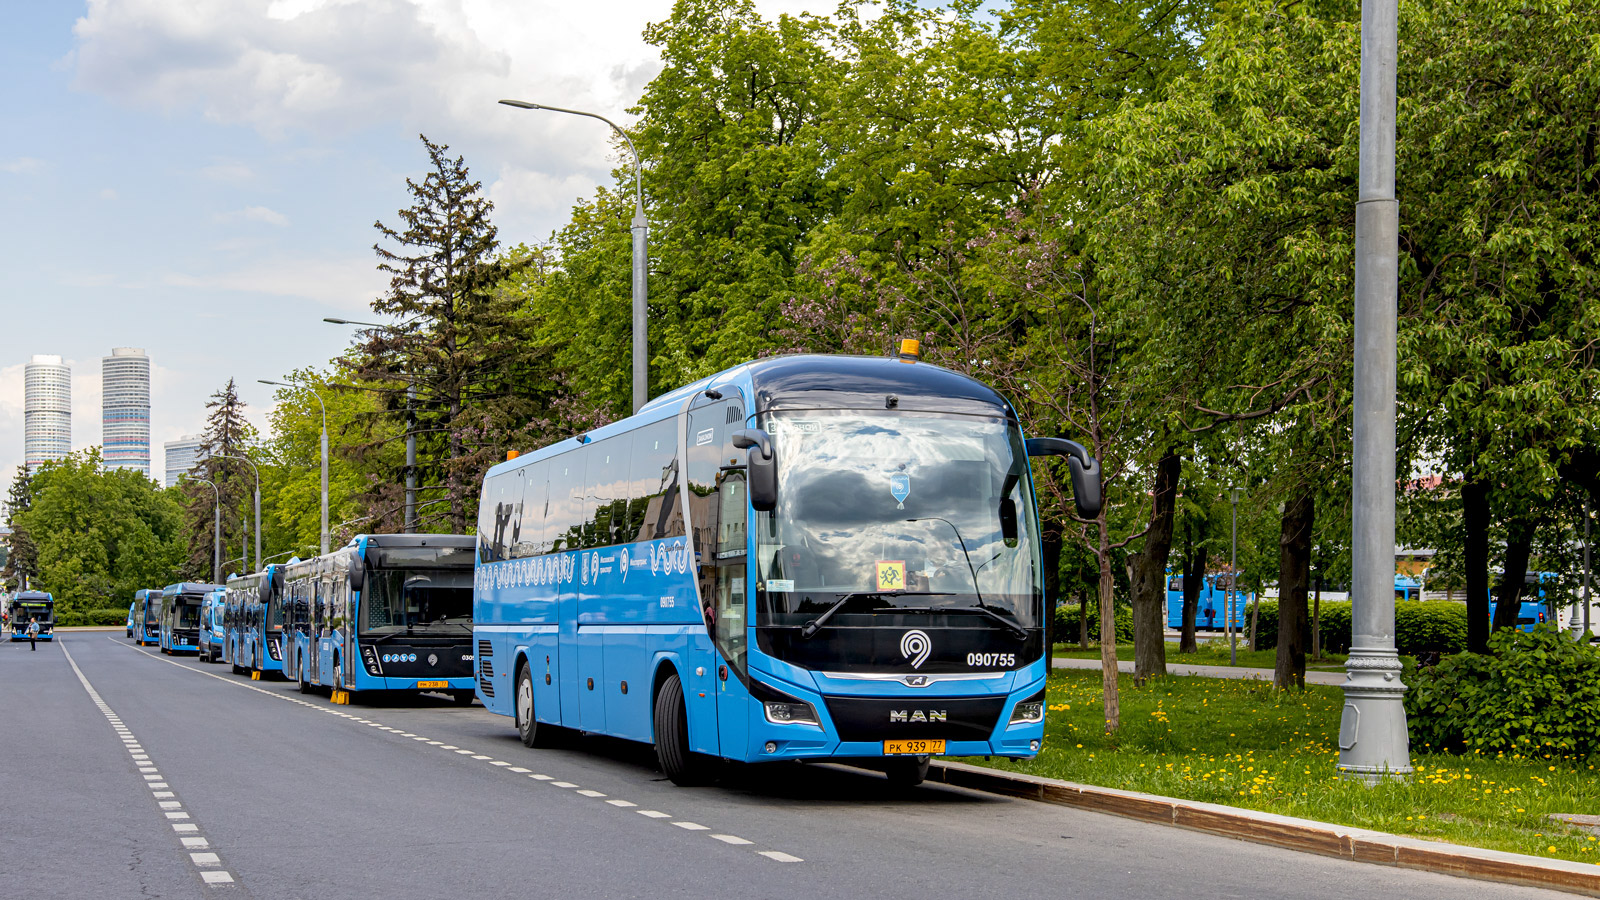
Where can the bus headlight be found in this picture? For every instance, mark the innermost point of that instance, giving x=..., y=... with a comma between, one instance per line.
x=782, y=709
x=1029, y=711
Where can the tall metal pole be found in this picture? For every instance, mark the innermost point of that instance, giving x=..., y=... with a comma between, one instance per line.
x=258, y=504
x=324, y=408
x=1230, y=598
x=1586, y=572
x=411, y=460
x=641, y=229
x=1373, y=743
x=216, y=532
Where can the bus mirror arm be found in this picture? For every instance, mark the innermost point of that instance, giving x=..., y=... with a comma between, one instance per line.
x=763, y=469
x=1085, y=470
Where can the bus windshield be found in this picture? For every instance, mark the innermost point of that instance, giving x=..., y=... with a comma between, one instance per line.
x=187, y=610
x=886, y=510
x=26, y=612
x=410, y=600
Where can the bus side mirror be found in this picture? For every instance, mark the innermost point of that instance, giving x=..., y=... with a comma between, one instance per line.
x=265, y=590
x=762, y=469
x=358, y=571
x=1008, y=521
x=1085, y=470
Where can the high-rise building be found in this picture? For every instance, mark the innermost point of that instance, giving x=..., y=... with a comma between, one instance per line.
x=182, y=455
x=125, y=409
x=46, y=410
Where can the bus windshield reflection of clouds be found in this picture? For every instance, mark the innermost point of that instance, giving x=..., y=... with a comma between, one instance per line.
x=868, y=497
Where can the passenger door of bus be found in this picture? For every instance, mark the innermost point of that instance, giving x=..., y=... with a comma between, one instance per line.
x=717, y=495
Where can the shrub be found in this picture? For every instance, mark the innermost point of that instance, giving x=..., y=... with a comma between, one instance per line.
x=1534, y=694
x=74, y=618
x=1420, y=627
x=1066, y=625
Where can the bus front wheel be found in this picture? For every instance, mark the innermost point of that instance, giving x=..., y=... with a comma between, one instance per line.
x=528, y=727
x=300, y=679
x=683, y=767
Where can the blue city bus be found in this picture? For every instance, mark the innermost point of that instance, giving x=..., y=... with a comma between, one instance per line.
x=29, y=605
x=1210, y=608
x=1530, y=614
x=179, y=616
x=387, y=612
x=212, y=634
x=147, y=617
x=1407, y=588
x=801, y=558
x=133, y=609
x=257, y=621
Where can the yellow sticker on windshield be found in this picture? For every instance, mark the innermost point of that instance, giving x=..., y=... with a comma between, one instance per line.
x=891, y=575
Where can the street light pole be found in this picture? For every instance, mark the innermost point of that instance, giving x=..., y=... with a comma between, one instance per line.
x=641, y=231
x=216, y=533
x=1373, y=743
x=1232, y=597
x=258, y=500
x=324, y=407
x=410, y=525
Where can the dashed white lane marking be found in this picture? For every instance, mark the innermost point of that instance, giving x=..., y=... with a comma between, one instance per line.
x=776, y=855
x=208, y=862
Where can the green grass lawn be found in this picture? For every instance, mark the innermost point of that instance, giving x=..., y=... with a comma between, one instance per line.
x=1243, y=744
x=1208, y=653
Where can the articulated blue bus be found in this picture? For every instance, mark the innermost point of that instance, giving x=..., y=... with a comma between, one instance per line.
x=1211, y=607
x=212, y=633
x=804, y=557
x=253, y=621
x=387, y=612
x=147, y=617
x=179, y=616
x=29, y=605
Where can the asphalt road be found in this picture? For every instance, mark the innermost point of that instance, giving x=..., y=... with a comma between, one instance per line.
x=159, y=777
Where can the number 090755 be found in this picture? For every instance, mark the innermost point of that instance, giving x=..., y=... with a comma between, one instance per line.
x=1004, y=660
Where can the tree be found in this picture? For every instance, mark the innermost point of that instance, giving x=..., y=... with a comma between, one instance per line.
x=227, y=434
x=22, y=557
x=101, y=534
x=459, y=365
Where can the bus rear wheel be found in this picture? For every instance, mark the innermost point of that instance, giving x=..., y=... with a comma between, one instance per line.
x=906, y=771
x=683, y=767
x=300, y=679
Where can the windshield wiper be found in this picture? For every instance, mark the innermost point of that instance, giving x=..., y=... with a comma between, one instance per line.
x=1011, y=624
x=813, y=626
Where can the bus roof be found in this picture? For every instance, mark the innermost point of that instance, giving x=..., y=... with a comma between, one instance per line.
x=35, y=596
x=189, y=587
x=813, y=381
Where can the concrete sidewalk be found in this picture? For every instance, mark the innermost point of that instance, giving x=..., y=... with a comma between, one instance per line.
x=1329, y=678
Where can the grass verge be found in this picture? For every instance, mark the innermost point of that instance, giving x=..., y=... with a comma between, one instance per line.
x=1241, y=743
x=1208, y=653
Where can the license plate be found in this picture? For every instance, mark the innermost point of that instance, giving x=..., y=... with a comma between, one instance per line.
x=424, y=685
x=916, y=748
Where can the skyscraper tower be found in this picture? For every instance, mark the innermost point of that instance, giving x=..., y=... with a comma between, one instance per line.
x=125, y=409
x=46, y=410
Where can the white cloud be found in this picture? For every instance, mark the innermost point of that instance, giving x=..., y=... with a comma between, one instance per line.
x=346, y=284
x=255, y=214
x=22, y=165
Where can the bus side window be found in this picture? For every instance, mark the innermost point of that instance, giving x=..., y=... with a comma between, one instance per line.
x=564, y=526
x=653, y=510
x=607, y=490
x=535, y=487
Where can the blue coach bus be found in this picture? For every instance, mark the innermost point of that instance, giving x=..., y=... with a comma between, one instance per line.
x=29, y=605
x=805, y=557
x=1211, y=606
x=147, y=617
x=253, y=621
x=387, y=612
x=212, y=633
x=179, y=616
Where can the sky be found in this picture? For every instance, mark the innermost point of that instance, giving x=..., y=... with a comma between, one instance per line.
x=200, y=178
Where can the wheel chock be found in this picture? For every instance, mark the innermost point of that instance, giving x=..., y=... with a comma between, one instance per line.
x=255, y=675
x=341, y=698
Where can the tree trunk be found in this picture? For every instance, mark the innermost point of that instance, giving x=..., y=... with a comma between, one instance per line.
x=1294, y=573
x=1194, y=581
x=1108, y=631
x=1508, y=600
x=1051, y=551
x=1083, y=617
x=1475, y=522
x=1148, y=575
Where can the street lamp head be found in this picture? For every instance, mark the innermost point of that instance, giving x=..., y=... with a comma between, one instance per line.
x=521, y=104
x=335, y=321
x=269, y=381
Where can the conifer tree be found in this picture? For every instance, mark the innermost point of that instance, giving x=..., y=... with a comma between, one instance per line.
x=227, y=434
x=22, y=563
x=458, y=345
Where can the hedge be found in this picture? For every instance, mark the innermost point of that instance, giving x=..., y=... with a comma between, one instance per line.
x=1433, y=626
x=1066, y=624
x=108, y=616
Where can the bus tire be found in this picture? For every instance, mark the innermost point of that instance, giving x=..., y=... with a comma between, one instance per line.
x=237, y=669
x=528, y=728
x=300, y=679
x=906, y=771
x=684, y=768
x=463, y=698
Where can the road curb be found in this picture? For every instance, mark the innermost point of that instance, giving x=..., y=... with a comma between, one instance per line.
x=1304, y=835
